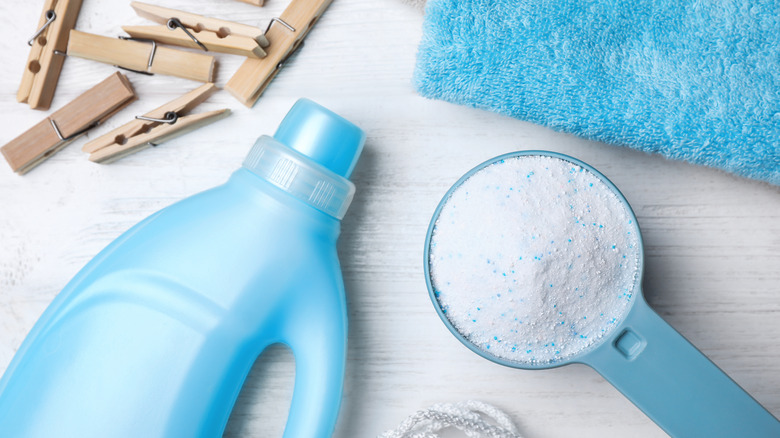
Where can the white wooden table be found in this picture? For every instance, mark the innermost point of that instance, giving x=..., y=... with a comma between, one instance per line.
x=712, y=240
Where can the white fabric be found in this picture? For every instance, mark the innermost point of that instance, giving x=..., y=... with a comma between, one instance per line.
x=474, y=418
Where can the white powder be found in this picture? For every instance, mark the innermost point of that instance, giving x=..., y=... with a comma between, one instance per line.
x=533, y=259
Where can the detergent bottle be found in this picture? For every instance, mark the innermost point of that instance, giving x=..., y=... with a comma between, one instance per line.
x=156, y=335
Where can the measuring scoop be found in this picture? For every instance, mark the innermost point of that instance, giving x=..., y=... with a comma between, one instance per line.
x=646, y=359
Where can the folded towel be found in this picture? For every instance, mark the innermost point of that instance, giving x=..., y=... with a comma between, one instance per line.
x=692, y=80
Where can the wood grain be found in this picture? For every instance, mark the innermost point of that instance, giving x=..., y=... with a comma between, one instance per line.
x=181, y=105
x=134, y=55
x=232, y=44
x=198, y=22
x=254, y=75
x=42, y=71
x=712, y=240
x=157, y=135
x=215, y=34
x=92, y=107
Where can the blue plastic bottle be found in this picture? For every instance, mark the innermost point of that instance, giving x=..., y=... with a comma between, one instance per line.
x=156, y=335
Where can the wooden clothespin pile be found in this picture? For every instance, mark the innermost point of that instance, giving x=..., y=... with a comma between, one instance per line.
x=266, y=52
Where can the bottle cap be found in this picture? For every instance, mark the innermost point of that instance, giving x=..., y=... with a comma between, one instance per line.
x=310, y=157
x=322, y=135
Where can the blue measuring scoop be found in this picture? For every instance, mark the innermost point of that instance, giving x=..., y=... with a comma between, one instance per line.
x=646, y=359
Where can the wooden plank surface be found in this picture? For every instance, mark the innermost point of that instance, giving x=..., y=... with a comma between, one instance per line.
x=712, y=240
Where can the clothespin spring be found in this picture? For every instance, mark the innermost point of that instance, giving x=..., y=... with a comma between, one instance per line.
x=50, y=17
x=151, y=54
x=174, y=22
x=143, y=40
x=280, y=21
x=291, y=29
x=72, y=136
x=170, y=118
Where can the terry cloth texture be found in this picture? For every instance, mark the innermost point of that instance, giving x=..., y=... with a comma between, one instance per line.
x=693, y=80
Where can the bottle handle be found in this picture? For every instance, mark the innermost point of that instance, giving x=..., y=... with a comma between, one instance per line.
x=320, y=356
x=676, y=385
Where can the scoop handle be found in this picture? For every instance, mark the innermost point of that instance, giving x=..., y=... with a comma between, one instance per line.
x=676, y=385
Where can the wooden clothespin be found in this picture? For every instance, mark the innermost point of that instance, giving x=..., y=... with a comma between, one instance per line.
x=141, y=57
x=254, y=75
x=155, y=127
x=198, y=32
x=66, y=124
x=49, y=42
x=253, y=2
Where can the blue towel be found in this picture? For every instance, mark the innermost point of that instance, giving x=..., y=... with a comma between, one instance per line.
x=693, y=80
